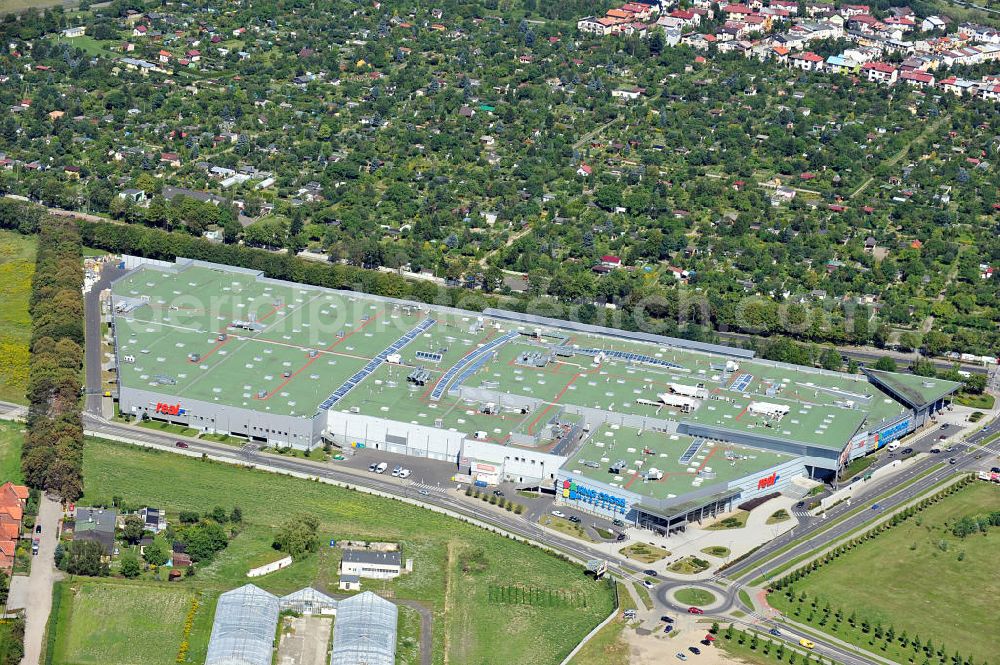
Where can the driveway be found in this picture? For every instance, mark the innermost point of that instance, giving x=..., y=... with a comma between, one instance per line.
x=34, y=592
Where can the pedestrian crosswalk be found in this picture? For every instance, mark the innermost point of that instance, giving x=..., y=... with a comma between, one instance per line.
x=425, y=487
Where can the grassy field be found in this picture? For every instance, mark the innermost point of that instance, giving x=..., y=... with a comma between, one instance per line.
x=103, y=622
x=693, y=596
x=607, y=647
x=455, y=565
x=90, y=46
x=16, y=6
x=11, y=439
x=928, y=582
x=17, y=265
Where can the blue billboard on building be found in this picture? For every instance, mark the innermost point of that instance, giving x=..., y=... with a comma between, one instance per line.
x=889, y=434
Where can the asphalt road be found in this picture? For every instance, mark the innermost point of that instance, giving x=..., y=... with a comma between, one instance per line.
x=92, y=330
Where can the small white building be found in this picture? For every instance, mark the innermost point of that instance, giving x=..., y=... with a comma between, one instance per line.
x=78, y=31
x=373, y=565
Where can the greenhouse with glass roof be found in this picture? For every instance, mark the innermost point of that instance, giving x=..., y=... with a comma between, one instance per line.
x=365, y=631
x=243, y=631
x=246, y=620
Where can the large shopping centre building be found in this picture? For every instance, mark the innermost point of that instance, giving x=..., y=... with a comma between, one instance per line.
x=654, y=429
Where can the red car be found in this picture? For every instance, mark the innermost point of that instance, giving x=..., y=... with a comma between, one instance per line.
x=695, y=610
x=710, y=637
x=181, y=444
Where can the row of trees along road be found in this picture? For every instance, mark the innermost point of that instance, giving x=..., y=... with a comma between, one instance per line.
x=52, y=458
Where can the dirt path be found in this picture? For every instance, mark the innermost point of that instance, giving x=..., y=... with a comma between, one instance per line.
x=448, y=603
x=426, y=629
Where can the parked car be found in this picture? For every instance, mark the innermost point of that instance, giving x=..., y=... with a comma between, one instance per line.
x=38, y=528
x=681, y=656
x=995, y=469
x=806, y=643
x=181, y=444
x=666, y=619
x=381, y=467
x=497, y=493
x=617, y=522
x=396, y=471
x=34, y=546
x=707, y=643
x=405, y=473
x=373, y=466
x=694, y=650
x=574, y=519
x=709, y=637
x=695, y=610
x=775, y=632
x=558, y=513
x=650, y=572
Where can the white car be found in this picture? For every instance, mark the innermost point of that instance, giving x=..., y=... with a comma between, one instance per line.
x=381, y=468
x=404, y=473
x=558, y=513
x=648, y=584
x=396, y=470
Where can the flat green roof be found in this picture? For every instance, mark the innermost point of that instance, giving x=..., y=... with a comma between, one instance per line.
x=687, y=463
x=917, y=391
x=301, y=343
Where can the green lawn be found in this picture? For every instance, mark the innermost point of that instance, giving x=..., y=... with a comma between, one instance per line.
x=11, y=440
x=918, y=577
x=716, y=550
x=563, y=525
x=17, y=265
x=607, y=647
x=778, y=516
x=854, y=467
x=90, y=46
x=981, y=401
x=689, y=565
x=737, y=520
x=455, y=565
x=693, y=596
x=644, y=552
x=105, y=622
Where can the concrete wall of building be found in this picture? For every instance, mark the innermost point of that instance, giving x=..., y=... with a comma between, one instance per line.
x=517, y=464
x=278, y=430
x=346, y=429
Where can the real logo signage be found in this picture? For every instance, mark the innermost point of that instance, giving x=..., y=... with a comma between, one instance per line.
x=169, y=409
x=767, y=481
x=575, y=492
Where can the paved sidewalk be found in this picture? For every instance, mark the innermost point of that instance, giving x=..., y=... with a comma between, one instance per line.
x=34, y=592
